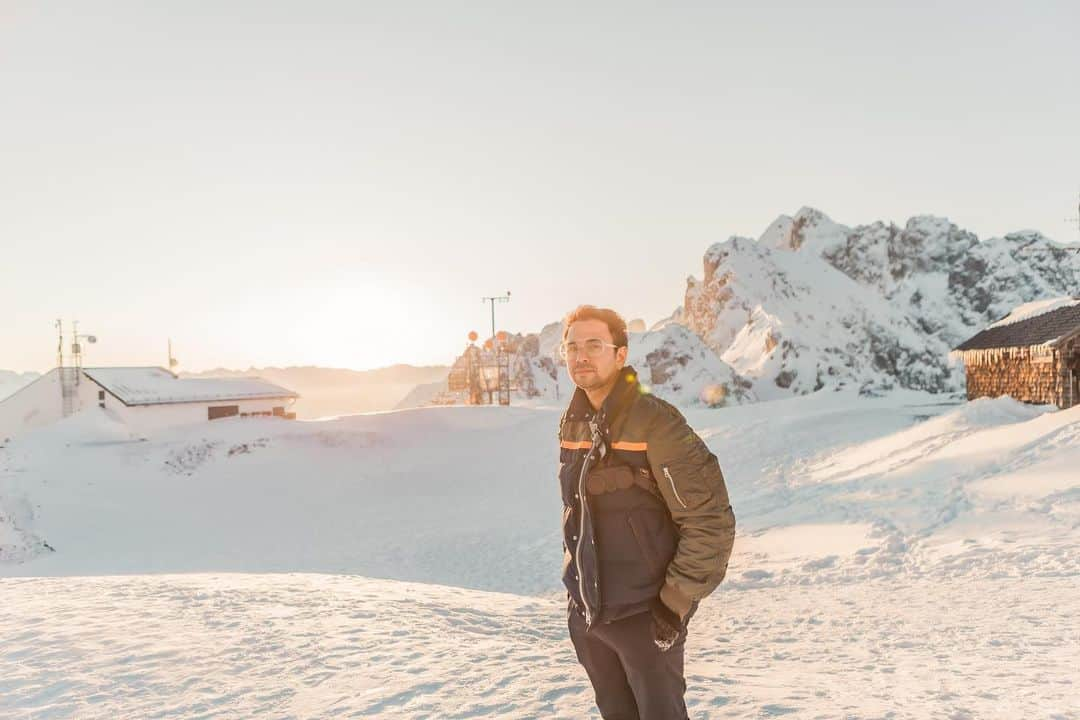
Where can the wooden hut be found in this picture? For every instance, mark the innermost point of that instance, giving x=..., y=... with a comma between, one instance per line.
x=1032, y=354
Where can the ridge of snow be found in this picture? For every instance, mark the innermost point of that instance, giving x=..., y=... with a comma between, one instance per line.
x=809, y=230
x=1035, y=309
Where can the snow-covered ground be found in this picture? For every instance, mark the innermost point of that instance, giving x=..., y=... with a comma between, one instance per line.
x=312, y=646
x=903, y=556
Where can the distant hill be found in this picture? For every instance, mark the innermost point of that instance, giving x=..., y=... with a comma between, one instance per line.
x=340, y=391
x=421, y=395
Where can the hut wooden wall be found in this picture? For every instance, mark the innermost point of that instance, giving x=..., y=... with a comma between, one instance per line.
x=1033, y=380
x=1069, y=364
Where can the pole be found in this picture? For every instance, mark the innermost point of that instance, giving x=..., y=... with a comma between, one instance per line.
x=494, y=341
x=1075, y=220
x=60, y=344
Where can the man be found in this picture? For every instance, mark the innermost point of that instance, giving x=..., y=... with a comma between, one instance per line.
x=647, y=525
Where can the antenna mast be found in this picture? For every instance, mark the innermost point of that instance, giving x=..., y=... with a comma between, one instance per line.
x=76, y=347
x=76, y=351
x=502, y=382
x=1076, y=220
x=493, y=300
x=60, y=343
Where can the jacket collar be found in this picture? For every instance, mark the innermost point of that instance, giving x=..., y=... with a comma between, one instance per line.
x=618, y=400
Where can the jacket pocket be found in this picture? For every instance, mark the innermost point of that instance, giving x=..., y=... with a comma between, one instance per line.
x=670, y=478
x=609, y=479
x=690, y=484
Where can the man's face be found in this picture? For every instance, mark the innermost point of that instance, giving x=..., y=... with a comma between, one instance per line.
x=589, y=373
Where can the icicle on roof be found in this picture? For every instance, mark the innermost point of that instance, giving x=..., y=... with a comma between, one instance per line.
x=1032, y=329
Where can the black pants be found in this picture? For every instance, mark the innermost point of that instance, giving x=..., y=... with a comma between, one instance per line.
x=631, y=678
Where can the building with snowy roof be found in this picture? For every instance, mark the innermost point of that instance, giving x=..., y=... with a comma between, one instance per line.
x=1032, y=354
x=144, y=398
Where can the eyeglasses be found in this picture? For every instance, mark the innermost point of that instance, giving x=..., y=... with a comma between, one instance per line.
x=592, y=348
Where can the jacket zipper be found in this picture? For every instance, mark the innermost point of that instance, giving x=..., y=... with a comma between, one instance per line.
x=667, y=474
x=581, y=531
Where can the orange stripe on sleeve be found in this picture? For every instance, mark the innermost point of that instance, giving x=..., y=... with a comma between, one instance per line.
x=635, y=446
x=572, y=445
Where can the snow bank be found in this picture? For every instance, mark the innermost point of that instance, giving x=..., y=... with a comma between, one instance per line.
x=92, y=426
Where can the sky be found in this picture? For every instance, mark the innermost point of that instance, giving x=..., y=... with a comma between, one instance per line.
x=340, y=183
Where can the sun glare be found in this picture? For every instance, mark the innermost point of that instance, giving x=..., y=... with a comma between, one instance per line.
x=360, y=325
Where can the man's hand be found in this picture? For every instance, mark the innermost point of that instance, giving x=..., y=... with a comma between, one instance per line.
x=666, y=625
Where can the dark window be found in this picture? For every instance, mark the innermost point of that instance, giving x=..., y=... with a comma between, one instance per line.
x=100, y=394
x=213, y=413
x=279, y=411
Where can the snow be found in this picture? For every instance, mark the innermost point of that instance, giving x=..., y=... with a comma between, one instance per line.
x=897, y=556
x=926, y=438
x=421, y=395
x=152, y=386
x=11, y=381
x=1036, y=308
x=810, y=541
x=1038, y=481
x=677, y=366
x=550, y=339
x=92, y=426
x=289, y=645
x=791, y=322
x=809, y=228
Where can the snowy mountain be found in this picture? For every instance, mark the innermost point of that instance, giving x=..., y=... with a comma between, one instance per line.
x=813, y=304
x=678, y=367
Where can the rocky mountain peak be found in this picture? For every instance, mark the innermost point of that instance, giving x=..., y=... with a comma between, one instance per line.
x=813, y=303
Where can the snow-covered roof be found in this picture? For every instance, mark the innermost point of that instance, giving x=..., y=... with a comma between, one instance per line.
x=158, y=386
x=1036, y=308
x=1037, y=324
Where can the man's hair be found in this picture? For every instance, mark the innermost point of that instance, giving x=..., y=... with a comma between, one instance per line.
x=612, y=319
